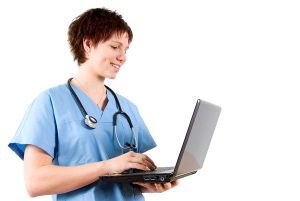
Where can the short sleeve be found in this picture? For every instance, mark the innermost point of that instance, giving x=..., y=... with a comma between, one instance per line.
x=37, y=128
x=145, y=139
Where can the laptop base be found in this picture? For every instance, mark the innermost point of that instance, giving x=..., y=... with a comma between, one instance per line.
x=160, y=175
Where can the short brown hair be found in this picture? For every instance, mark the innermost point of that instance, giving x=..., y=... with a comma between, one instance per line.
x=98, y=25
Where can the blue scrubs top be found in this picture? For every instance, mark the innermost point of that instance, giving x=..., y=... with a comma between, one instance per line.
x=54, y=123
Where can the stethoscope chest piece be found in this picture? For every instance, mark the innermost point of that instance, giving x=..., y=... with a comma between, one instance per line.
x=90, y=121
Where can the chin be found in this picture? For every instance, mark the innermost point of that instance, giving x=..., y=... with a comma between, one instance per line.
x=112, y=77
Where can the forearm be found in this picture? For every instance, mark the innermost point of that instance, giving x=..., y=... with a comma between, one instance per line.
x=43, y=178
x=51, y=179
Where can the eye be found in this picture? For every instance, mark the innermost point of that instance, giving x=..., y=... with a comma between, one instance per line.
x=114, y=47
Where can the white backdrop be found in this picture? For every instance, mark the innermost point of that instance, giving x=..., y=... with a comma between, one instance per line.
x=242, y=55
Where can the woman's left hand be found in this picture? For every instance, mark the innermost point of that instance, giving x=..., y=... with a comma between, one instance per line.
x=156, y=187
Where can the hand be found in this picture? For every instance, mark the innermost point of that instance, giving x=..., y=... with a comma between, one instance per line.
x=156, y=187
x=130, y=160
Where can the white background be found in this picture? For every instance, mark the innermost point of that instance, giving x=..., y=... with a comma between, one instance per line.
x=241, y=55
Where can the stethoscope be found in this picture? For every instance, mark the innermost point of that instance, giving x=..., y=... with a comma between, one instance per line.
x=91, y=121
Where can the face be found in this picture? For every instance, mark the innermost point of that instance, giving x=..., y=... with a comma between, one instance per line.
x=106, y=58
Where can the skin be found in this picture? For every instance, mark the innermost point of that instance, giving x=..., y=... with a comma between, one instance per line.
x=104, y=60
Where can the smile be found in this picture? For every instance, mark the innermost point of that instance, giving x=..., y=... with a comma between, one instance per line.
x=116, y=66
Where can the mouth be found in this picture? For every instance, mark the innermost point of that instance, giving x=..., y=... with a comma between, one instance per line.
x=116, y=66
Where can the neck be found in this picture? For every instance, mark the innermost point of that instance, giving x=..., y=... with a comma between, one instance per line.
x=89, y=82
x=92, y=85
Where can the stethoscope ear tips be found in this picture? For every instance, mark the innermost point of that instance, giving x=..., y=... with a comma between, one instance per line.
x=131, y=146
x=90, y=121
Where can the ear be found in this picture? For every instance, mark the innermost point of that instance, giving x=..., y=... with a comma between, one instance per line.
x=87, y=45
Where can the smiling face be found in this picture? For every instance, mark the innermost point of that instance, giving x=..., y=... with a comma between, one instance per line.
x=106, y=58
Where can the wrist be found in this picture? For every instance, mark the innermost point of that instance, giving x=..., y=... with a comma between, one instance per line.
x=103, y=168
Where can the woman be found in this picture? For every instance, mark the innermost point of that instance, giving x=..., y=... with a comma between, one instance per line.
x=67, y=138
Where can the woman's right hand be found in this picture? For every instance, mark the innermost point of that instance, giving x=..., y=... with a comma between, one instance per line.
x=130, y=160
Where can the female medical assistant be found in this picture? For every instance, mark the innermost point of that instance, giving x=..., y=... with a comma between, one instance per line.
x=54, y=123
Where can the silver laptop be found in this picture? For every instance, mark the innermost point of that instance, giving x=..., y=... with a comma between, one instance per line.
x=192, y=153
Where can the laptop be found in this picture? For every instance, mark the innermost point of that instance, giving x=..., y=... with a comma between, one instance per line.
x=191, y=156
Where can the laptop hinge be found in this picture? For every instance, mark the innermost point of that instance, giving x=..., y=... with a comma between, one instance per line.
x=178, y=176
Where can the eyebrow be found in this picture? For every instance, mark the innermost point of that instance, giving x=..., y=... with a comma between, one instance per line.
x=119, y=43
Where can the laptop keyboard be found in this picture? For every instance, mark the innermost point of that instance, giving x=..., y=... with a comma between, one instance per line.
x=130, y=171
x=157, y=170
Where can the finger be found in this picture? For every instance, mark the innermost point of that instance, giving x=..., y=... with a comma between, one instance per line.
x=175, y=183
x=159, y=187
x=150, y=160
x=135, y=165
x=143, y=184
x=144, y=159
x=149, y=164
x=167, y=186
x=150, y=187
x=140, y=160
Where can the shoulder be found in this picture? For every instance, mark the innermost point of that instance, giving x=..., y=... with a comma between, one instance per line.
x=125, y=101
x=52, y=92
x=50, y=96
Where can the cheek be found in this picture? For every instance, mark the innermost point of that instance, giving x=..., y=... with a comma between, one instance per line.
x=103, y=57
x=99, y=59
x=97, y=56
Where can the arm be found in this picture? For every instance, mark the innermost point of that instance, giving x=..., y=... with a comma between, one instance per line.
x=43, y=178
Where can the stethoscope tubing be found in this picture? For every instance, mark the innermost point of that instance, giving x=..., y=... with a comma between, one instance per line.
x=91, y=122
x=80, y=106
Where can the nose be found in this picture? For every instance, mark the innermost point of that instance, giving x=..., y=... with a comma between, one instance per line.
x=122, y=57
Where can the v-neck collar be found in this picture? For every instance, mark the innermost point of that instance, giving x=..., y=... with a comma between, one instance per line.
x=93, y=109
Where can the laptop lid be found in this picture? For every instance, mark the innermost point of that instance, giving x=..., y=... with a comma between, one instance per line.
x=198, y=138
